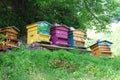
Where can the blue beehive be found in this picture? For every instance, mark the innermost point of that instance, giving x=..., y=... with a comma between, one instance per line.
x=71, y=40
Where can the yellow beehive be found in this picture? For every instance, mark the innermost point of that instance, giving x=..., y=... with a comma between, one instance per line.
x=34, y=36
x=79, y=37
x=80, y=43
x=78, y=32
x=43, y=37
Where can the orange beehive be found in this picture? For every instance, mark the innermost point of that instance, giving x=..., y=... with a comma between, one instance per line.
x=101, y=48
x=11, y=37
x=11, y=32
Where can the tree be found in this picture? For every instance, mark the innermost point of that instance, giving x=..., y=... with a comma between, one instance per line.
x=77, y=13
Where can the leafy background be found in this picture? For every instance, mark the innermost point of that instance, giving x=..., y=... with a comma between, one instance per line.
x=81, y=14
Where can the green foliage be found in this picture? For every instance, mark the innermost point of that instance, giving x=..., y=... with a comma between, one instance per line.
x=57, y=65
x=2, y=37
x=115, y=39
x=77, y=13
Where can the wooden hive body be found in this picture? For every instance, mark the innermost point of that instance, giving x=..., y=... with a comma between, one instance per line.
x=38, y=32
x=11, y=32
x=59, y=35
x=101, y=48
x=11, y=37
x=76, y=38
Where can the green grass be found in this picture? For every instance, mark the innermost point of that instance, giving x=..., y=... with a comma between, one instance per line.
x=23, y=64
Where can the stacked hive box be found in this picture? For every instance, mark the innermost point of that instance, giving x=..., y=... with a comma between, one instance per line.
x=59, y=35
x=38, y=32
x=11, y=37
x=76, y=38
x=101, y=48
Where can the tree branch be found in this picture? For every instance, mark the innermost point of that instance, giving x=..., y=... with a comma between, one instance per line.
x=88, y=9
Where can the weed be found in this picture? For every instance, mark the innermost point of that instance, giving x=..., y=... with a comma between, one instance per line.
x=24, y=64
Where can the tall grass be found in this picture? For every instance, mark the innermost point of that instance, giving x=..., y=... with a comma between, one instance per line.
x=23, y=64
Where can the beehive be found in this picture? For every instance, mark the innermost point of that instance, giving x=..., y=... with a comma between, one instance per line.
x=76, y=38
x=38, y=32
x=11, y=37
x=59, y=35
x=101, y=48
x=11, y=32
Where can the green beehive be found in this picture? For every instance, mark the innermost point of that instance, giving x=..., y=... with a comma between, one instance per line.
x=43, y=27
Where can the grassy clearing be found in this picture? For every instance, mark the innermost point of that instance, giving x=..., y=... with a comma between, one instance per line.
x=23, y=64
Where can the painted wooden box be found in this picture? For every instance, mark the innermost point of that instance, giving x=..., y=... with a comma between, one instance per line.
x=76, y=38
x=60, y=27
x=78, y=32
x=10, y=37
x=59, y=35
x=79, y=44
x=43, y=27
x=43, y=37
x=38, y=32
x=57, y=31
x=11, y=32
x=101, y=48
x=75, y=43
x=59, y=41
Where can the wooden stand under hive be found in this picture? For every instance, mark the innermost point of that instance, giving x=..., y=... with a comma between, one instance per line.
x=76, y=38
x=101, y=48
x=38, y=32
x=59, y=35
x=11, y=37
